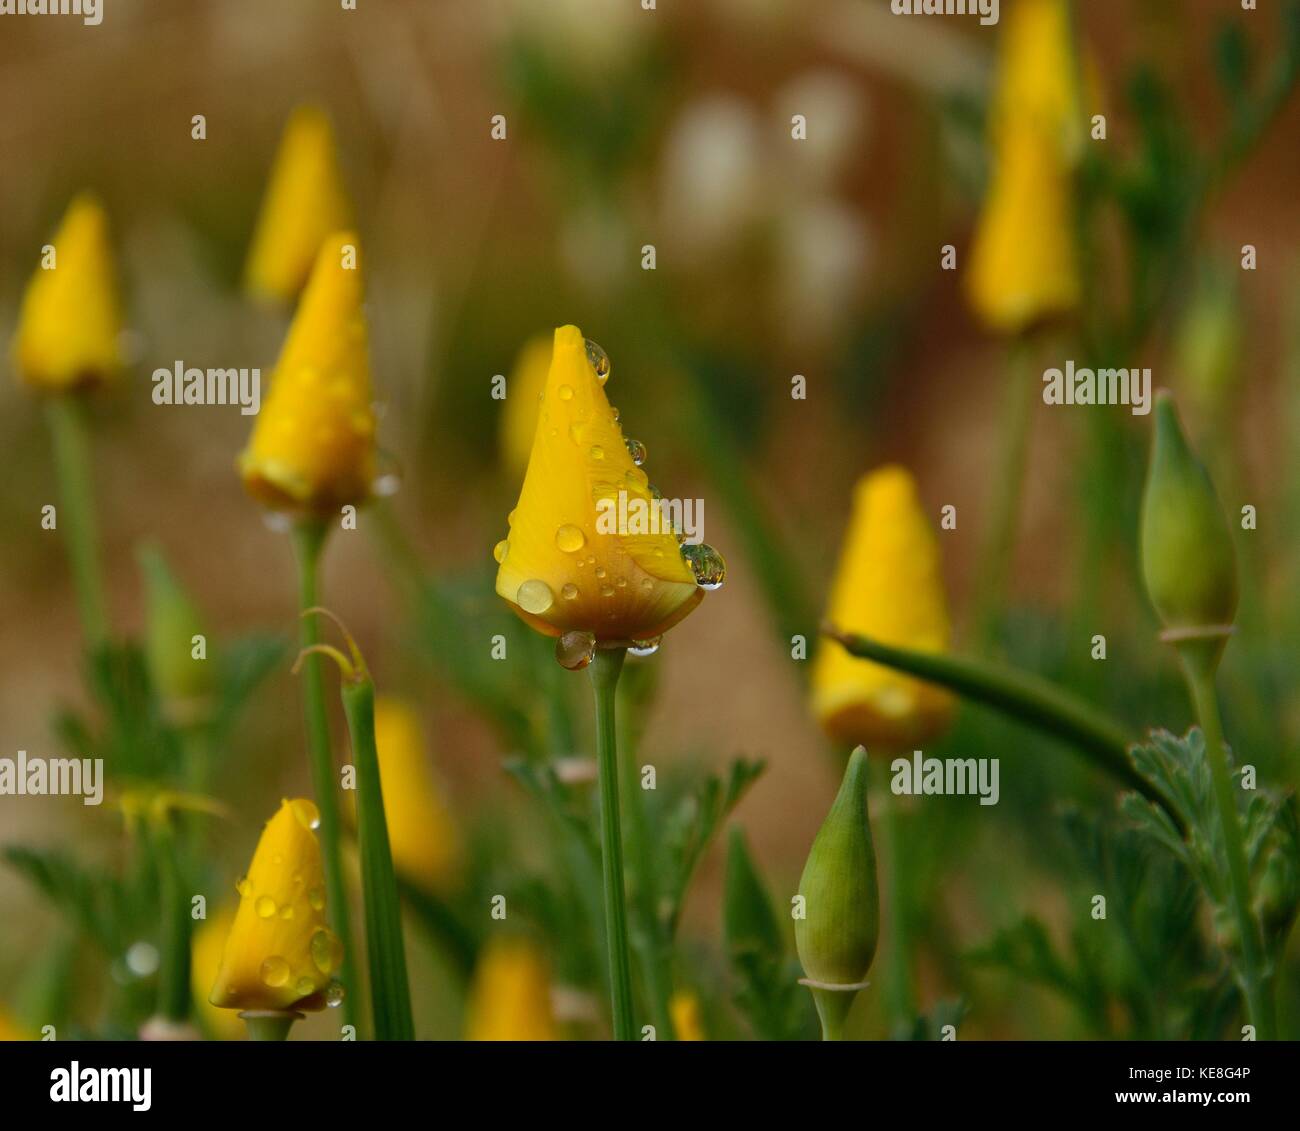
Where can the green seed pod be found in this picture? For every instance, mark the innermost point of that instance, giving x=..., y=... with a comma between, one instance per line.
x=748, y=918
x=836, y=938
x=172, y=621
x=1188, y=560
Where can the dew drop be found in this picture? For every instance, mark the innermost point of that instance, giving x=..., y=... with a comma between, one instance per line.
x=326, y=951
x=601, y=571
x=500, y=549
x=305, y=987
x=569, y=592
x=265, y=907
x=636, y=450
x=566, y=392
x=575, y=650
x=707, y=564
x=577, y=432
x=334, y=995
x=607, y=591
x=534, y=596
x=645, y=647
x=243, y=886
x=599, y=361
x=570, y=538
x=597, y=452
x=275, y=971
x=306, y=812
x=647, y=584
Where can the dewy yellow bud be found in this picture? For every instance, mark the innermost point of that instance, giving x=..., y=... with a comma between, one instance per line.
x=184, y=682
x=888, y=586
x=305, y=201
x=280, y=953
x=1188, y=560
x=70, y=323
x=206, y=945
x=836, y=938
x=1023, y=262
x=565, y=566
x=684, y=1007
x=313, y=444
x=421, y=832
x=523, y=396
x=510, y=999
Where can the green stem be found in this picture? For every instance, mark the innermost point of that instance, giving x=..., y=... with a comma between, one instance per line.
x=605, y=669
x=1024, y=696
x=72, y=466
x=833, y=1008
x=1004, y=509
x=174, y=957
x=309, y=537
x=269, y=1024
x=390, y=994
x=900, y=998
x=1257, y=981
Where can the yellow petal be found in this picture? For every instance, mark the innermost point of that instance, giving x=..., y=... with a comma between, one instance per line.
x=562, y=567
x=888, y=586
x=523, y=396
x=1039, y=76
x=208, y=942
x=510, y=998
x=280, y=953
x=313, y=444
x=684, y=1007
x=305, y=201
x=70, y=323
x=421, y=833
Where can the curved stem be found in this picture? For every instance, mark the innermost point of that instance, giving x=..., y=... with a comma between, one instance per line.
x=309, y=537
x=1257, y=982
x=605, y=669
x=72, y=466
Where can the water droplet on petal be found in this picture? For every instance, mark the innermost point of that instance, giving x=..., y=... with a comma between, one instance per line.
x=575, y=650
x=500, y=549
x=306, y=812
x=707, y=565
x=305, y=987
x=243, y=886
x=334, y=995
x=597, y=452
x=265, y=907
x=326, y=951
x=566, y=392
x=599, y=361
x=569, y=592
x=316, y=897
x=275, y=971
x=636, y=450
x=645, y=647
x=607, y=591
x=601, y=571
x=534, y=596
x=570, y=538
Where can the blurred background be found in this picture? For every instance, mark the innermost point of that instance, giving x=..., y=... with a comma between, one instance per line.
x=773, y=257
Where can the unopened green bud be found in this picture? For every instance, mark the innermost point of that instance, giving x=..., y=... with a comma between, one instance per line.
x=176, y=643
x=748, y=918
x=1209, y=340
x=836, y=937
x=1188, y=560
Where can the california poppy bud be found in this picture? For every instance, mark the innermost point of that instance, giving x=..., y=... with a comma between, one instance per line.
x=510, y=998
x=305, y=201
x=70, y=325
x=1188, y=560
x=836, y=936
x=183, y=680
x=280, y=954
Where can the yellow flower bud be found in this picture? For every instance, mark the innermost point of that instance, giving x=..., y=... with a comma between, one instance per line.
x=1023, y=262
x=280, y=953
x=523, y=394
x=70, y=324
x=421, y=832
x=305, y=201
x=684, y=1007
x=206, y=945
x=313, y=445
x=888, y=586
x=510, y=999
x=564, y=567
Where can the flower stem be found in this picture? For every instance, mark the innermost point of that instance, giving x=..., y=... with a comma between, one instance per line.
x=269, y=1024
x=72, y=466
x=1257, y=981
x=605, y=669
x=390, y=995
x=309, y=537
x=174, y=964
